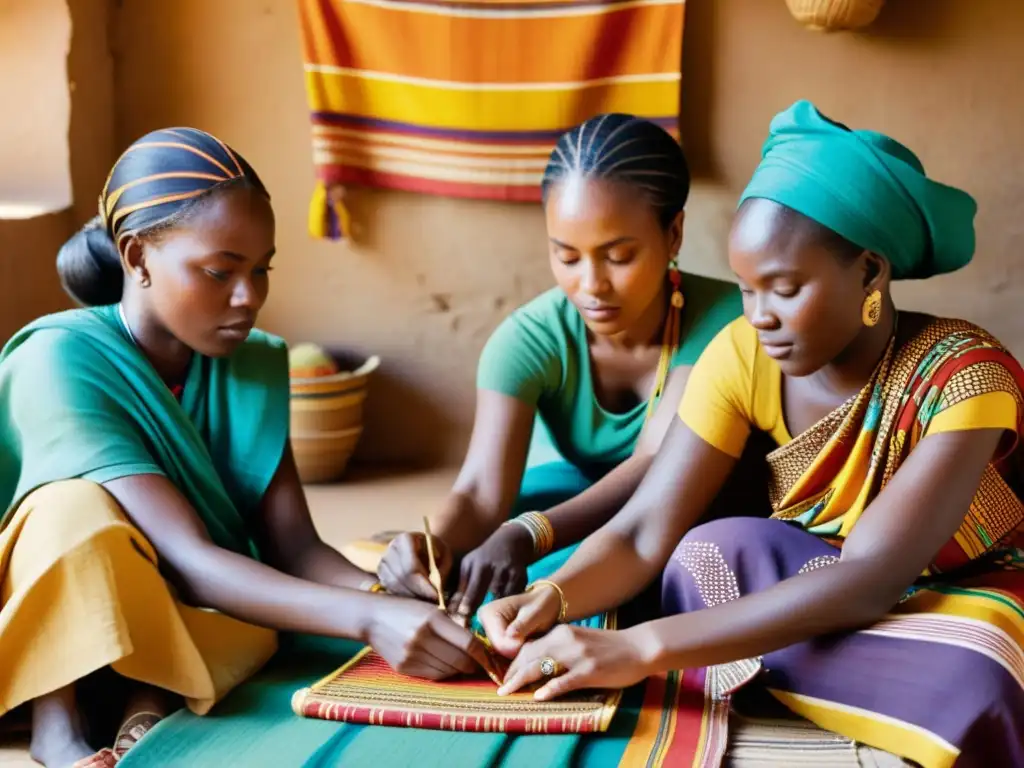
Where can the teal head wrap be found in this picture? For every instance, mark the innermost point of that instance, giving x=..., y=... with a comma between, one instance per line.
x=867, y=187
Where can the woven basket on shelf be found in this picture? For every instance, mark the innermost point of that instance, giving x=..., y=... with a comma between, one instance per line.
x=327, y=421
x=829, y=15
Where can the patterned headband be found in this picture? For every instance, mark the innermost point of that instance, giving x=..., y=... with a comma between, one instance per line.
x=163, y=170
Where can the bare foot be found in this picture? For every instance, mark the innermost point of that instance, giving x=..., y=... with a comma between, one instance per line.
x=58, y=738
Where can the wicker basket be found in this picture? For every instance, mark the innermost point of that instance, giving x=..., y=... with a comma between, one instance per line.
x=323, y=457
x=830, y=15
x=327, y=421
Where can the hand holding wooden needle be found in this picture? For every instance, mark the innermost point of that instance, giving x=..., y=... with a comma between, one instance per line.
x=435, y=574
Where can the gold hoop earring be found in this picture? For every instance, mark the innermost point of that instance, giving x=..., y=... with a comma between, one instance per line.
x=871, y=310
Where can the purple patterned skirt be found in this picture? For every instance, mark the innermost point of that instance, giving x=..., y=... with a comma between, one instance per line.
x=939, y=681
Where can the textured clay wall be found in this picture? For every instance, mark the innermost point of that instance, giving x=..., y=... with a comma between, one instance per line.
x=428, y=278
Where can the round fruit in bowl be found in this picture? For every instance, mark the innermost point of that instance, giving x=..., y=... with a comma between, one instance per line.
x=307, y=361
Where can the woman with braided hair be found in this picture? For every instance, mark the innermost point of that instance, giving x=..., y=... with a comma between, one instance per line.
x=570, y=386
x=153, y=520
x=883, y=599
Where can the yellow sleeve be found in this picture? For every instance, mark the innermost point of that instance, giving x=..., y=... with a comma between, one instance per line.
x=717, y=402
x=992, y=410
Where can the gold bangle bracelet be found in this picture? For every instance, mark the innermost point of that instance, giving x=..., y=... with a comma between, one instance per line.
x=541, y=531
x=563, y=605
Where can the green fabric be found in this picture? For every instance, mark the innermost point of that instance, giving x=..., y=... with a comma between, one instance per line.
x=869, y=188
x=547, y=486
x=81, y=401
x=255, y=726
x=540, y=355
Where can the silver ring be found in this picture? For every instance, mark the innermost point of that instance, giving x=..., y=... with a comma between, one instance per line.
x=549, y=667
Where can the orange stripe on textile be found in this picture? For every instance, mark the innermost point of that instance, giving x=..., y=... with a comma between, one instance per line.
x=524, y=49
x=404, y=95
x=680, y=723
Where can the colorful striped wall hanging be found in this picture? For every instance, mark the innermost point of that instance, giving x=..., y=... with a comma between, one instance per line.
x=466, y=98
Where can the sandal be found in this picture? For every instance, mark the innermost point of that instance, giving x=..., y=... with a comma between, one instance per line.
x=105, y=758
x=132, y=731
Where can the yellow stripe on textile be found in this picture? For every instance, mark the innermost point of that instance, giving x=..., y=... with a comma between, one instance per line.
x=505, y=110
x=986, y=605
x=991, y=410
x=890, y=734
x=324, y=207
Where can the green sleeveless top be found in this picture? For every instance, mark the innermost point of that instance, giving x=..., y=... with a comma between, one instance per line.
x=540, y=355
x=79, y=400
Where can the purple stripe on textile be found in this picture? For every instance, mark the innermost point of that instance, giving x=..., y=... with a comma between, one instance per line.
x=353, y=121
x=950, y=691
x=333, y=225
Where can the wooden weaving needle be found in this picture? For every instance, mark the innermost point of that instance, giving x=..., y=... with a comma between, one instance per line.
x=496, y=666
x=435, y=574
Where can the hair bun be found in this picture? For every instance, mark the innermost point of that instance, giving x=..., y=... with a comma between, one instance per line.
x=89, y=266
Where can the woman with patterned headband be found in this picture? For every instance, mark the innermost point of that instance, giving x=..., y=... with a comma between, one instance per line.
x=145, y=471
x=884, y=598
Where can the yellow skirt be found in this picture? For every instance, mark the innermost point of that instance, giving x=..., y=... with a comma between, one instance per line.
x=80, y=591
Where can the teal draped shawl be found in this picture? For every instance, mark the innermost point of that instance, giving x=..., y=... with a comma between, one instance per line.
x=79, y=400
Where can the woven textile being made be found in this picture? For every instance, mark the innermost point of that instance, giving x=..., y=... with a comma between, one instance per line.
x=466, y=98
x=366, y=690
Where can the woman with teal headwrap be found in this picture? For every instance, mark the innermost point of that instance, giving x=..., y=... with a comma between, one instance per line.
x=884, y=597
x=153, y=522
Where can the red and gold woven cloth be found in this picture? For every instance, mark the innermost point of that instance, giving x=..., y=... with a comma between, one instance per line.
x=367, y=691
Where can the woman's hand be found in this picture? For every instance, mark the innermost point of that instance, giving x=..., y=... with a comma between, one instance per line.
x=404, y=570
x=585, y=658
x=419, y=640
x=509, y=622
x=497, y=566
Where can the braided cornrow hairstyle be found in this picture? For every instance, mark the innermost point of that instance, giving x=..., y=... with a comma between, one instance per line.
x=626, y=149
x=630, y=150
